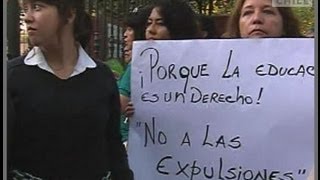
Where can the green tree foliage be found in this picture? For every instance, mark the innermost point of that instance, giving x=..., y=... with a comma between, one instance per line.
x=115, y=66
x=306, y=18
x=223, y=7
x=212, y=7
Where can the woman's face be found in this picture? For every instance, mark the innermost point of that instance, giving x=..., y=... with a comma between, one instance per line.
x=128, y=37
x=128, y=41
x=259, y=19
x=156, y=28
x=127, y=52
x=42, y=21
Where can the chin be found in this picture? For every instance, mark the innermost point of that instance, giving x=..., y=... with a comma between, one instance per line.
x=34, y=42
x=258, y=36
x=127, y=61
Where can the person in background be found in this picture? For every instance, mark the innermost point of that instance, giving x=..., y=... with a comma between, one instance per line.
x=168, y=20
x=171, y=19
x=63, y=107
x=207, y=27
x=258, y=19
x=134, y=30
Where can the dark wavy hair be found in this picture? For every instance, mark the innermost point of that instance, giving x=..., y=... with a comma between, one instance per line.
x=82, y=25
x=178, y=17
x=290, y=22
x=137, y=19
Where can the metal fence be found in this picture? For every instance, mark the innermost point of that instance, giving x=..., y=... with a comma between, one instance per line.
x=107, y=17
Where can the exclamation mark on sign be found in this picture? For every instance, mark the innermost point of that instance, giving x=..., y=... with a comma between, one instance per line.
x=260, y=94
x=141, y=80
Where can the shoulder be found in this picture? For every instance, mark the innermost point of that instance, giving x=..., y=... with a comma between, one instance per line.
x=127, y=72
x=15, y=62
x=16, y=71
x=105, y=69
x=106, y=78
x=102, y=66
x=15, y=66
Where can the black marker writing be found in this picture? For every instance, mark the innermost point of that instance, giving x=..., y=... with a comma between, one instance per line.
x=151, y=133
x=235, y=71
x=233, y=143
x=217, y=170
x=274, y=70
x=163, y=72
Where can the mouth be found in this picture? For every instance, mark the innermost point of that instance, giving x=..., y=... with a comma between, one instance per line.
x=257, y=32
x=127, y=55
x=127, y=45
x=127, y=52
x=31, y=29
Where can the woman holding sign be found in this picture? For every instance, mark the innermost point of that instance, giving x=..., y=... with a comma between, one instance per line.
x=258, y=19
x=134, y=30
x=171, y=19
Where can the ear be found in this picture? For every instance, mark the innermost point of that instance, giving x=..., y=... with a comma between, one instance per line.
x=72, y=16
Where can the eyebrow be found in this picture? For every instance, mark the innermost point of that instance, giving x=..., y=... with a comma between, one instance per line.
x=251, y=7
x=247, y=7
x=157, y=19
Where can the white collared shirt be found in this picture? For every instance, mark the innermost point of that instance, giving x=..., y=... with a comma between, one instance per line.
x=36, y=57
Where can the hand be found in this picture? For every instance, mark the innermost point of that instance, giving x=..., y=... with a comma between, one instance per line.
x=129, y=110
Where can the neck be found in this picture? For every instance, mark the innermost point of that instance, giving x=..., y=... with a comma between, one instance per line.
x=63, y=51
x=62, y=55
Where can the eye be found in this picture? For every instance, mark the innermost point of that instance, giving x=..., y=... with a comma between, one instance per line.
x=161, y=23
x=149, y=22
x=36, y=7
x=268, y=11
x=24, y=9
x=246, y=12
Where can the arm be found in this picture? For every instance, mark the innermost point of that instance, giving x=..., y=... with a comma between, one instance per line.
x=124, y=101
x=119, y=161
x=11, y=121
x=126, y=106
x=10, y=130
x=125, y=93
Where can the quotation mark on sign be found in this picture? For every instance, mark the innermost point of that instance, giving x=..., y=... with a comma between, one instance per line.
x=302, y=171
x=138, y=124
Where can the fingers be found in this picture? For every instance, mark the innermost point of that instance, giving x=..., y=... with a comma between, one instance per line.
x=129, y=110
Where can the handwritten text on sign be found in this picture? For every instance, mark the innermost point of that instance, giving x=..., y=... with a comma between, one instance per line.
x=222, y=109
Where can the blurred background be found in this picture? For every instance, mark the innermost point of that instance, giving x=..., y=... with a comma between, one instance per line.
x=108, y=16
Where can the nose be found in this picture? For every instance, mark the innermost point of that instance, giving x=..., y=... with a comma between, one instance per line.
x=257, y=18
x=151, y=28
x=28, y=17
x=125, y=34
x=124, y=38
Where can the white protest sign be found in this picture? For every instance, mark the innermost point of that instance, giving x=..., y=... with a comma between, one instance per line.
x=239, y=109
